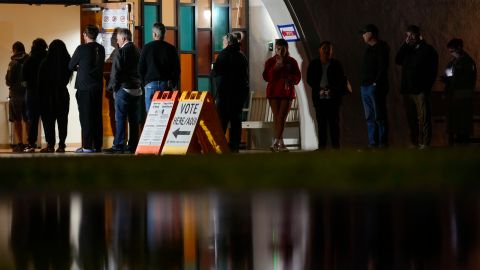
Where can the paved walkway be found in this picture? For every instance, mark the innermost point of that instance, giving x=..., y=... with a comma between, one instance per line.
x=70, y=151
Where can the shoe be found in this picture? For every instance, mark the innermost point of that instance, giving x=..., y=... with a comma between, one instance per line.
x=60, y=150
x=423, y=147
x=113, y=150
x=84, y=150
x=130, y=150
x=29, y=149
x=283, y=148
x=274, y=148
x=19, y=148
x=47, y=150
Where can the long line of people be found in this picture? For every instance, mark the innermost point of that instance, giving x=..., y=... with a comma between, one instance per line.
x=38, y=88
x=419, y=64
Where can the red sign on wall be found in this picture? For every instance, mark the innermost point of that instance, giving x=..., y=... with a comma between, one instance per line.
x=289, y=32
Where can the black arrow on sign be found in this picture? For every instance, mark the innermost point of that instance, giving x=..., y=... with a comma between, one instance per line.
x=178, y=132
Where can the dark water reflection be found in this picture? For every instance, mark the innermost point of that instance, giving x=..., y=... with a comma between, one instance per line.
x=210, y=230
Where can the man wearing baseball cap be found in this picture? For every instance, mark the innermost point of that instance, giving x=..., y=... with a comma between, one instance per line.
x=374, y=86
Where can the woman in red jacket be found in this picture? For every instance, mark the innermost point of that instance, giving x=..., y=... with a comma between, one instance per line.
x=282, y=74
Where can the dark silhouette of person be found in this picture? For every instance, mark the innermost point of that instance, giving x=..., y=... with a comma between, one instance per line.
x=326, y=78
x=231, y=72
x=53, y=78
x=30, y=75
x=460, y=78
x=419, y=62
x=88, y=61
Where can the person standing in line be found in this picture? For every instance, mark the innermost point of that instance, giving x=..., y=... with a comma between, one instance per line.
x=53, y=78
x=282, y=74
x=159, y=65
x=88, y=61
x=231, y=72
x=326, y=78
x=374, y=86
x=459, y=78
x=108, y=94
x=30, y=75
x=126, y=85
x=16, y=95
x=419, y=62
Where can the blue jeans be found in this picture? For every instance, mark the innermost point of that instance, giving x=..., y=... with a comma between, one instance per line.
x=126, y=106
x=374, y=106
x=150, y=90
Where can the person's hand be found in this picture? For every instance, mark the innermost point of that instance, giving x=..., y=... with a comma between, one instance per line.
x=327, y=92
x=278, y=62
x=408, y=39
x=279, y=59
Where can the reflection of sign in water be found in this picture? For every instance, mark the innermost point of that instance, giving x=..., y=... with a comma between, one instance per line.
x=289, y=32
x=113, y=18
x=184, y=123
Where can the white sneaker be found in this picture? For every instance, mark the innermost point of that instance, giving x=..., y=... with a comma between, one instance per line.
x=275, y=148
x=423, y=146
x=283, y=148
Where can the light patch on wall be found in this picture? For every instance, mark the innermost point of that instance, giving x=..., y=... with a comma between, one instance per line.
x=27, y=22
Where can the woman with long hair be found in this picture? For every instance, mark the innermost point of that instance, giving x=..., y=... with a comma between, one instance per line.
x=282, y=74
x=32, y=97
x=54, y=76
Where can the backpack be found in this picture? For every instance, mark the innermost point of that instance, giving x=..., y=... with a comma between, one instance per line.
x=15, y=75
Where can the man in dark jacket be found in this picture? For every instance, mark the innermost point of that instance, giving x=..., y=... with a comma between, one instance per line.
x=374, y=87
x=88, y=61
x=16, y=85
x=231, y=72
x=126, y=85
x=326, y=78
x=460, y=78
x=159, y=65
x=419, y=62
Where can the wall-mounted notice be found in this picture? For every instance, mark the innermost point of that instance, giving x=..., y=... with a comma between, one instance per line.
x=115, y=18
x=289, y=32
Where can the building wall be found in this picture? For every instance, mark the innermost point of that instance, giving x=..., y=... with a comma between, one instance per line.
x=27, y=22
x=339, y=21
